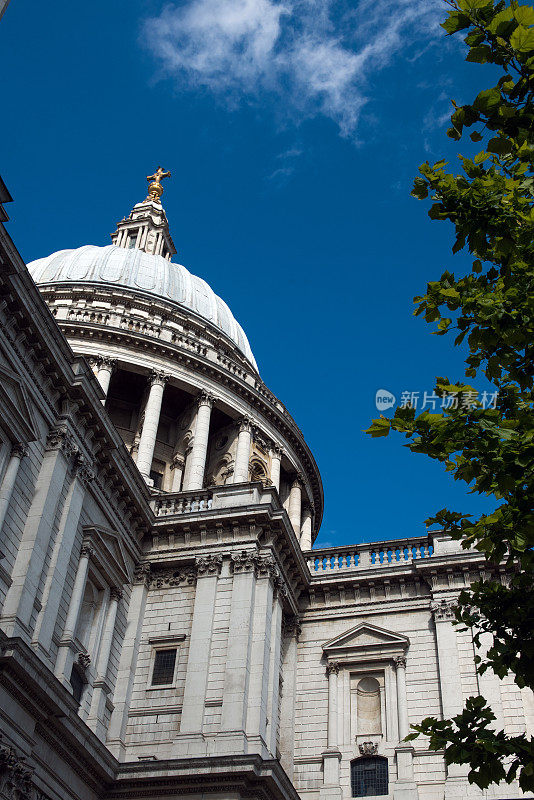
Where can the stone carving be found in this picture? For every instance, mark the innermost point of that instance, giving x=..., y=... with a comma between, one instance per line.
x=209, y=565
x=368, y=748
x=205, y=399
x=265, y=567
x=244, y=424
x=86, y=551
x=443, y=610
x=83, y=661
x=19, y=450
x=15, y=775
x=400, y=661
x=168, y=580
x=142, y=573
x=291, y=626
x=158, y=377
x=245, y=561
x=115, y=593
x=83, y=469
x=105, y=362
x=59, y=438
x=178, y=461
x=332, y=667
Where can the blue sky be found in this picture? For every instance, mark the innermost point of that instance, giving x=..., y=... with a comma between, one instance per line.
x=293, y=131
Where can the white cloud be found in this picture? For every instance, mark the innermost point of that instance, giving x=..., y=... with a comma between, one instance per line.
x=311, y=55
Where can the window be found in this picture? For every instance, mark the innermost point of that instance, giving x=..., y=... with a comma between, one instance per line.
x=77, y=682
x=132, y=239
x=163, y=669
x=369, y=776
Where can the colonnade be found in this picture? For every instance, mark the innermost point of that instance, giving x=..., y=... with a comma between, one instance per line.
x=189, y=469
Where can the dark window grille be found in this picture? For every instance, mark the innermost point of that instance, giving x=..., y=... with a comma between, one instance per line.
x=77, y=682
x=369, y=776
x=163, y=672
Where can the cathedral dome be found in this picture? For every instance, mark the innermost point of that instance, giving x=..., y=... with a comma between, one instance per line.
x=141, y=272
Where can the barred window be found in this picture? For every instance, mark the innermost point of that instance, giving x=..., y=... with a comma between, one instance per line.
x=369, y=776
x=163, y=670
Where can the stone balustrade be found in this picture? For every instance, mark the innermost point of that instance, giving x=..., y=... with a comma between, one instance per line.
x=216, y=497
x=182, y=502
x=369, y=556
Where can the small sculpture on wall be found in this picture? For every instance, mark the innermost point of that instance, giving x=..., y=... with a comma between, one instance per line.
x=368, y=749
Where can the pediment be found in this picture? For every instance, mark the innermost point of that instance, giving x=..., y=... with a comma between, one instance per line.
x=15, y=407
x=109, y=553
x=366, y=639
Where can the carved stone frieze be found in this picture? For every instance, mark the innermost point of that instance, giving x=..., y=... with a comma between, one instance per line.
x=173, y=578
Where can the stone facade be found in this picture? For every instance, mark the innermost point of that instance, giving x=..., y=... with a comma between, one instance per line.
x=165, y=627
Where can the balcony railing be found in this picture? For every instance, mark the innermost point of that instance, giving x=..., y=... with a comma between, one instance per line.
x=368, y=556
x=212, y=499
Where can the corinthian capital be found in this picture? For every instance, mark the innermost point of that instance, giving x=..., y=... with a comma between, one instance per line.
x=208, y=565
x=142, y=573
x=19, y=450
x=443, y=610
x=205, y=399
x=332, y=668
x=59, y=438
x=245, y=561
x=244, y=424
x=106, y=362
x=158, y=378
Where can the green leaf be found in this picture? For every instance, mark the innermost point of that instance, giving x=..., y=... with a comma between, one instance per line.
x=475, y=136
x=473, y=5
x=487, y=100
x=524, y=15
x=499, y=145
x=455, y=22
x=522, y=39
x=479, y=55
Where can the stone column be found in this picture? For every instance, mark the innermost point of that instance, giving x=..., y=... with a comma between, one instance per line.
x=450, y=687
x=332, y=755
x=208, y=569
x=295, y=502
x=402, y=705
x=147, y=442
x=274, y=665
x=177, y=468
x=128, y=661
x=232, y=737
x=61, y=553
x=290, y=631
x=489, y=684
x=18, y=451
x=71, y=623
x=105, y=366
x=276, y=458
x=258, y=706
x=195, y=465
x=242, y=458
x=306, y=528
x=31, y=556
x=101, y=688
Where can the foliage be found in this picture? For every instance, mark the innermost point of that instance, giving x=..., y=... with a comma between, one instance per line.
x=491, y=310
